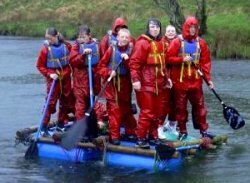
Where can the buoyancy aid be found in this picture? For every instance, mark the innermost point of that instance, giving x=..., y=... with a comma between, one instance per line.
x=95, y=52
x=111, y=38
x=115, y=59
x=156, y=54
x=57, y=56
x=156, y=58
x=192, y=49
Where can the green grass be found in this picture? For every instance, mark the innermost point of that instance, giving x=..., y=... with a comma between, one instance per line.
x=228, y=28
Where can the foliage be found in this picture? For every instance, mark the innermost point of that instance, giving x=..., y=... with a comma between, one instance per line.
x=228, y=30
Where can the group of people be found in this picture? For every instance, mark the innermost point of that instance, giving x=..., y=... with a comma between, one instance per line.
x=158, y=68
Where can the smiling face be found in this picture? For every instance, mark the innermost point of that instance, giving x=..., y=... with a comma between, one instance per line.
x=83, y=38
x=170, y=32
x=123, y=37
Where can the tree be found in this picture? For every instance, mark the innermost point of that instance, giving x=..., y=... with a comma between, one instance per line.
x=202, y=16
x=176, y=17
x=172, y=8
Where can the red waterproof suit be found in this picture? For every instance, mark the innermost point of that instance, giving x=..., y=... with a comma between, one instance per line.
x=169, y=92
x=108, y=38
x=81, y=82
x=62, y=90
x=187, y=82
x=147, y=65
x=118, y=95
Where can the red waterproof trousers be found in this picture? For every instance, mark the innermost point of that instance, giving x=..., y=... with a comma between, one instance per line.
x=152, y=110
x=196, y=98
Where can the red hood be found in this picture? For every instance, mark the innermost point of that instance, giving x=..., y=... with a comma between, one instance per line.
x=119, y=22
x=185, y=28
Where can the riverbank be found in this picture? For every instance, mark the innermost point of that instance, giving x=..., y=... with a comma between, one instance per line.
x=228, y=31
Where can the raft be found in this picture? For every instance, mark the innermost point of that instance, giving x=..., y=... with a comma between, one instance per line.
x=169, y=155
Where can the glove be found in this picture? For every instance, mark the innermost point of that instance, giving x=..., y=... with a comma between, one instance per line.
x=53, y=76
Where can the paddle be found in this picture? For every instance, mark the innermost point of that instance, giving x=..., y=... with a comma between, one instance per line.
x=92, y=130
x=231, y=115
x=32, y=150
x=91, y=95
x=73, y=136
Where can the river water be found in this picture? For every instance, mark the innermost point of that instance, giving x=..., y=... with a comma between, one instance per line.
x=22, y=97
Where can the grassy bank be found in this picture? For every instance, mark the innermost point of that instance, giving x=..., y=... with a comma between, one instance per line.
x=228, y=28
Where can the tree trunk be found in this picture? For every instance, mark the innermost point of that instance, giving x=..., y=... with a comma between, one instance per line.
x=176, y=17
x=172, y=8
x=202, y=16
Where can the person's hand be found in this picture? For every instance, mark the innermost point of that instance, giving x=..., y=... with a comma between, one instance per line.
x=169, y=83
x=210, y=85
x=100, y=124
x=187, y=58
x=137, y=85
x=124, y=56
x=87, y=51
x=53, y=76
x=113, y=74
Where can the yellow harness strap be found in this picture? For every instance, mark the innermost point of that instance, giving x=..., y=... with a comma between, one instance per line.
x=196, y=60
x=157, y=60
x=183, y=55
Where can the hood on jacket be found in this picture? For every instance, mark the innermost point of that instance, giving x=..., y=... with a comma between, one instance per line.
x=119, y=22
x=186, y=26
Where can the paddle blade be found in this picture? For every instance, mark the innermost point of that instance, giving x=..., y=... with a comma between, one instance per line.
x=233, y=118
x=32, y=151
x=75, y=133
x=164, y=151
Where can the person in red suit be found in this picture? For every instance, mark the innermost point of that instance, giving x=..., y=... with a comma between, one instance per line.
x=118, y=92
x=184, y=51
x=170, y=126
x=53, y=64
x=149, y=79
x=111, y=36
x=83, y=46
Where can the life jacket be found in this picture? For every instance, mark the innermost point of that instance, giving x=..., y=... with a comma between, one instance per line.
x=57, y=56
x=192, y=49
x=112, y=39
x=95, y=52
x=156, y=58
x=156, y=54
x=116, y=59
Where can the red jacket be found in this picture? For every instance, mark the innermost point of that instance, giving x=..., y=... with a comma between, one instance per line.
x=146, y=73
x=105, y=72
x=80, y=71
x=174, y=58
x=41, y=64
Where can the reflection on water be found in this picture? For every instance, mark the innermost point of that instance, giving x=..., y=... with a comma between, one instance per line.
x=22, y=97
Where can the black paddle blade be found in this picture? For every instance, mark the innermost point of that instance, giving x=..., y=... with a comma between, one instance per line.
x=75, y=133
x=32, y=151
x=92, y=130
x=164, y=151
x=233, y=118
